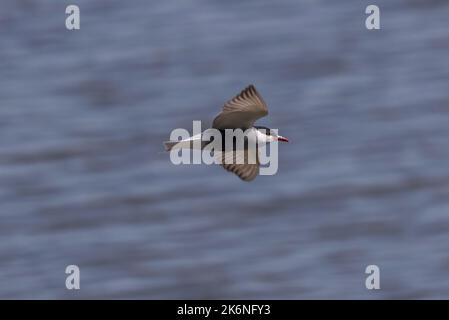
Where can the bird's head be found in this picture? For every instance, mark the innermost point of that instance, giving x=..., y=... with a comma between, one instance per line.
x=269, y=135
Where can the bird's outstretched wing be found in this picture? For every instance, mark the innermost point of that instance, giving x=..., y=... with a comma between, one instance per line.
x=244, y=163
x=241, y=111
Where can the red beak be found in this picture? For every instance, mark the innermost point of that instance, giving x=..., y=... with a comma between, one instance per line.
x=281, y=138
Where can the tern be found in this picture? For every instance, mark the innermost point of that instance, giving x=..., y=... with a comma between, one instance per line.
x=241, y=112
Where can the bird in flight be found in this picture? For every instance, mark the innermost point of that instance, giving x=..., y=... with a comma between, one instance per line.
x=241, y=112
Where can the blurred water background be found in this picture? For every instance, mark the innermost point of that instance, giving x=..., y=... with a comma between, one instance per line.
x=83, y=179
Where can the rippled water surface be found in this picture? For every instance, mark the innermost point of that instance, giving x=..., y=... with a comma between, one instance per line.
x=84, y=180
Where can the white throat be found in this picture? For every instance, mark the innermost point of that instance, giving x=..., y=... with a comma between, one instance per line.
x=262, y=137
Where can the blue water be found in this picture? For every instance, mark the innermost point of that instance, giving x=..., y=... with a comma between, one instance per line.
x=84, y=180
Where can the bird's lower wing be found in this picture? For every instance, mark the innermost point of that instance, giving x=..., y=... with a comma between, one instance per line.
x=244, y=163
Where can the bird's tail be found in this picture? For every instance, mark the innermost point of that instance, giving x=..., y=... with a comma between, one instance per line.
x=184, y=144
x=168, y=145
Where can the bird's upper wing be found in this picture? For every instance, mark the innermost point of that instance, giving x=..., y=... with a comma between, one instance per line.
x=241, y=111
x=244, y=163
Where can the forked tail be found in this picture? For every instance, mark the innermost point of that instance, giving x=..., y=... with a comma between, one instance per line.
x=168, y=145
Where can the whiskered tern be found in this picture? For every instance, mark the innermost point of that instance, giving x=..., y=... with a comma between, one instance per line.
x=238, y=113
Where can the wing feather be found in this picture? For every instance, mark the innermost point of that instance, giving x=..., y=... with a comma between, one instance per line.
x=242, y=110
x=239, y=163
